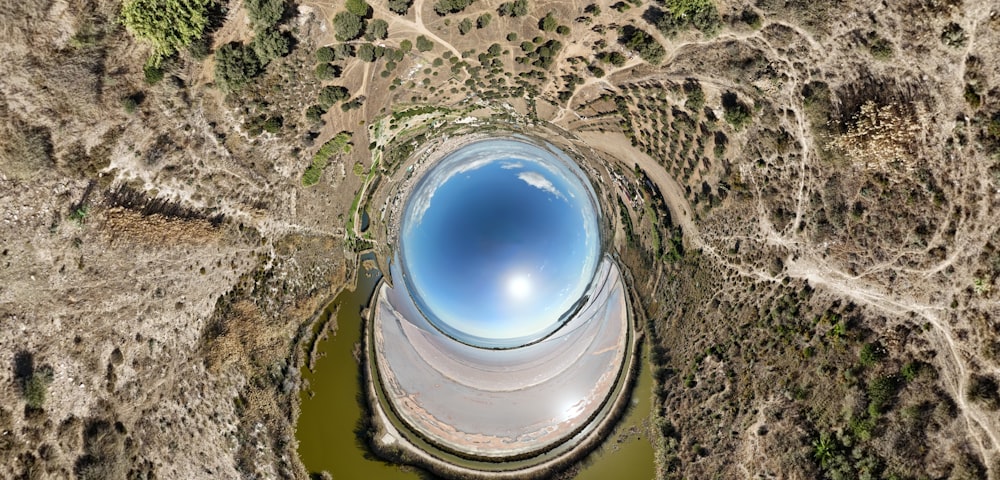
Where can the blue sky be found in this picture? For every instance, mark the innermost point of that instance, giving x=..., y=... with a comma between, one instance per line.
x=499, y=239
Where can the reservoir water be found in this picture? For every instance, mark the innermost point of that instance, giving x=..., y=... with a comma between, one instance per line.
x=330, y=408
x=330, y=414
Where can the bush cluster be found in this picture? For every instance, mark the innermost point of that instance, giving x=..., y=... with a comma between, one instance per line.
x=236, y=64
x=683, y=14
x=167, y=25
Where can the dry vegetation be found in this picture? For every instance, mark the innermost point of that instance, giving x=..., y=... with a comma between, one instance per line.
x=810, y=192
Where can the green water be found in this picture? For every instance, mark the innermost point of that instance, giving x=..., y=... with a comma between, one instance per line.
x=330, y=414
x=330, y=409
x=628, y=453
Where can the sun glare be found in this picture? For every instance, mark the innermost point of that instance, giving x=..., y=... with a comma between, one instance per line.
x=519, y=286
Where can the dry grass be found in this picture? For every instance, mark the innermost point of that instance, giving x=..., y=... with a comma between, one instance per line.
x=884, y=137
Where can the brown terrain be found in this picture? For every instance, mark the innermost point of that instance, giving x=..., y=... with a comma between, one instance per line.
x=809, y=193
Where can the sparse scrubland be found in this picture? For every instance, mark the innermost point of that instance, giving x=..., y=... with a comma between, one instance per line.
x=806, y=193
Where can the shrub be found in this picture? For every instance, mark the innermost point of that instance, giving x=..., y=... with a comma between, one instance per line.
x=465, y=26
x=683, y=14
x=642, y=43
x=871, y=354
x=695, y=96
x=130, y=104
x=168, y=25
x=273, y=124
x=366, y=52
x=752, y=19
x=269, y=44
x=343, y=51
x=513, y=9
x=235, y=65
x=562, y=30
x=984, y=389
x=378, y=29
x=400, y=6
x=972, y=97
x=444, y=7
x=614, y=58
x=881, y=393
x=325, y=54
x=954, y=36
x=484, y=20
x=35, y=387
x=264, y=14
x=548, y=23
x=200, y=48
x=79, y=214
x=327, y=71
x=736, y=112
x=152, y=74
x=315, y=113
x=331, y=94
x=512, y=37
x=341, y=143
x=881, y=48
x=359, y=8
x=347, y=26
x=405, y=46
x=424, y=44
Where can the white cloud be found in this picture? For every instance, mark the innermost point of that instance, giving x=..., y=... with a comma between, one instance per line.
x=538, y=181
x=511, y=165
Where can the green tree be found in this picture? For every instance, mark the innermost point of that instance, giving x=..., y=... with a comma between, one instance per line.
x=465, y=26
x=268, y=45
x=325, y=54
x=343, y=51
x=378, y=29
x=358, y=7
x=881, y=392
x=264, y=14
x=235, y=65
x=562, y=30
x=871, y=354
x=444, y=7
x=736, y=112
x=315, y=113
x=327, y=71
x=548, y=23
x=513, y=9
x=642, y=43
x=347, y=26
x=400, y=6
x=424, y=44
x=614, y=58
x=683, y=14
x=331, y=94
x=168, y=25
x=366, y=52
x=484, y=21
x=695, y=96
x=405, y=46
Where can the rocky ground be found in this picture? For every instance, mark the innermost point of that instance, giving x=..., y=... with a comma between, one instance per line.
x=808, y=191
